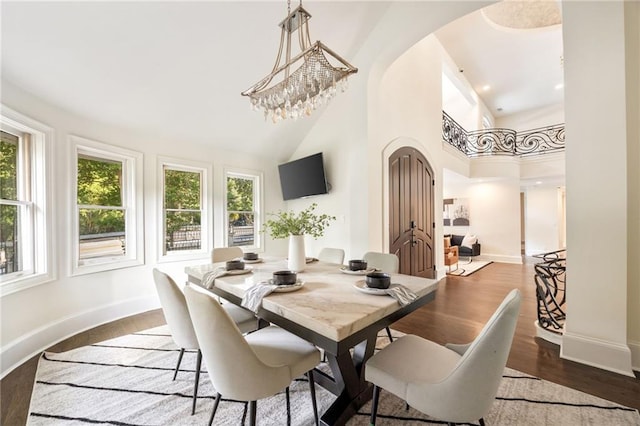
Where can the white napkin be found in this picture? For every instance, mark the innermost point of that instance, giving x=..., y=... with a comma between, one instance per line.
x=252, y=298
x=209, y=278
x=402, y=294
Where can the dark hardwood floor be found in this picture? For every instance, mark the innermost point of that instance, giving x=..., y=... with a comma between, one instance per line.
x=461, y=307
x=464, y=304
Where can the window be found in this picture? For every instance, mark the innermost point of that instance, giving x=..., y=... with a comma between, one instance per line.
x=243, y=202
x=108, y=218
x=185, y=223
x=25, y=197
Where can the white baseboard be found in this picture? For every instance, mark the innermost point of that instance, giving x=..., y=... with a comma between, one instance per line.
x=499, y=258
x=598, y=353
x=635, y=354
x=549, y=336
x=20, y=350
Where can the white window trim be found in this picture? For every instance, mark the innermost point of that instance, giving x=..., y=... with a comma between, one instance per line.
x=133, y=198
x=206, y=205
x=259, y=203
x=42, y=148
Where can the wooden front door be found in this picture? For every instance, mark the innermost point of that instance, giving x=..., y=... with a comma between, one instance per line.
x=411, y=212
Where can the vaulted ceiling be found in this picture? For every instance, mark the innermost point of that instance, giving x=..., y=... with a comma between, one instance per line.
x=176, y=69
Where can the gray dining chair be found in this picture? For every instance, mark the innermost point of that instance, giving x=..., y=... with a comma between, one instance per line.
x=385, y=262
x=453, y=383
x=222, y=254
x=251, y=367
x=331, y=255
x=176, y=313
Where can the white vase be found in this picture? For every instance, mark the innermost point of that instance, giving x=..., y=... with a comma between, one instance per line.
x=297, y=260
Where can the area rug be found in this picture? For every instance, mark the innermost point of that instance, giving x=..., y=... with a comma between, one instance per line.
x=467, y=267
x=127, y=381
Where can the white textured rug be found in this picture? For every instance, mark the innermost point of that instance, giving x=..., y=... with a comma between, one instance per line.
x=467, y=266
x=127, y=381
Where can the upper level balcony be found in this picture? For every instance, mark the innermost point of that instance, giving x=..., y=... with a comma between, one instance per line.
x=499, y=141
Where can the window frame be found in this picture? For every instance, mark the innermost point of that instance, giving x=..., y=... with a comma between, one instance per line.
x=132, y=200
x=258, y=203
x=41, y=193
x=206, y=202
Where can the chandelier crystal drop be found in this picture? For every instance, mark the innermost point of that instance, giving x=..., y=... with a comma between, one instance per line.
x=300, y=90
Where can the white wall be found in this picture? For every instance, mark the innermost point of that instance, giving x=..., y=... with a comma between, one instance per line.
x=372, y=117
x=542, y=229
x=459, y=99
x=494, y=208
x=34, y=318
x=532, y=119
x=632, y=34
x=597, y=185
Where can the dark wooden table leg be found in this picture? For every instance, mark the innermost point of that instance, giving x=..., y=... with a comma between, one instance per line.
x=349, y=372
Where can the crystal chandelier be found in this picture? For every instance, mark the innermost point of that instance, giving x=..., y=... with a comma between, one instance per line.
x=312, y=84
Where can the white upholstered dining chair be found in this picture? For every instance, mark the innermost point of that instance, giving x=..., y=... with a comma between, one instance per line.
x=222, y=254
x=251, y=367
x=176, y=313
x=331, y=255
x=454, y=383
x=385, y=262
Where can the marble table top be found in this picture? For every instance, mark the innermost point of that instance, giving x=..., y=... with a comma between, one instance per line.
x=328, y=303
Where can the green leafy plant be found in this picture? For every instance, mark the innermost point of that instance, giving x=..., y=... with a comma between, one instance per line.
x=304, y=223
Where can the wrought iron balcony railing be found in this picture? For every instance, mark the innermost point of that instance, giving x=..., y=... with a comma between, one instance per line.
x=502, y=141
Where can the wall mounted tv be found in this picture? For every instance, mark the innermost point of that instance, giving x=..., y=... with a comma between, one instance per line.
x=303, y=177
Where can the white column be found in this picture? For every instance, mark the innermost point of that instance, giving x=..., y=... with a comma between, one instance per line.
x=596, y=177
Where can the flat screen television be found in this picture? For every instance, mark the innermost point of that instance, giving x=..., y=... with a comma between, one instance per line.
x=303, y=177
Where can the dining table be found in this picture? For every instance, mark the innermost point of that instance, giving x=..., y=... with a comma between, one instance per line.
x=331, y=307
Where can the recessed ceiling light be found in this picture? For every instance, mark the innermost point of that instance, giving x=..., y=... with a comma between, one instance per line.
x=499, y=109
x=539, y=182
x=559, y=86
x=486, y=87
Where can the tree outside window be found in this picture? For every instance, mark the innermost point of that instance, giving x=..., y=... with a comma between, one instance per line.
x=101, y=211
x=241, y=210
x=10, y=259
x=182, y=210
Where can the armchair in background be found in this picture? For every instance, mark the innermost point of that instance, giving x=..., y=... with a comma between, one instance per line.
x=451, y=256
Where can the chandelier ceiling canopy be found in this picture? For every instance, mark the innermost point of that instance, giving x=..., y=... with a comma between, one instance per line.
x=299, y=84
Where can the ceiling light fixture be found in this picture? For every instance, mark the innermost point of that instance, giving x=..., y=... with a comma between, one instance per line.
x=559, y=86
x=486, y=87
x=309, y=86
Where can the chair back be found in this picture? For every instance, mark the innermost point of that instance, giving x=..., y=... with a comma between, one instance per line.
x=222, y=254
x=235, y=370
x=471, y=387
x=176, y=313
x=331, y=255
x=386, y=262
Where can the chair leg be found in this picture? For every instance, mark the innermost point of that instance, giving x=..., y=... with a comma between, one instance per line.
x=389, y=334
x=215, y=408
x=288, y=399
x=314, y=403
x=374, y=404
x=244, y=413
x=252, y=413
x=178, y=364
x=481, y=422
x=195, y=386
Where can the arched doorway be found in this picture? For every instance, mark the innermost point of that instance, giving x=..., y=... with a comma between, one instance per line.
x=411, y=212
